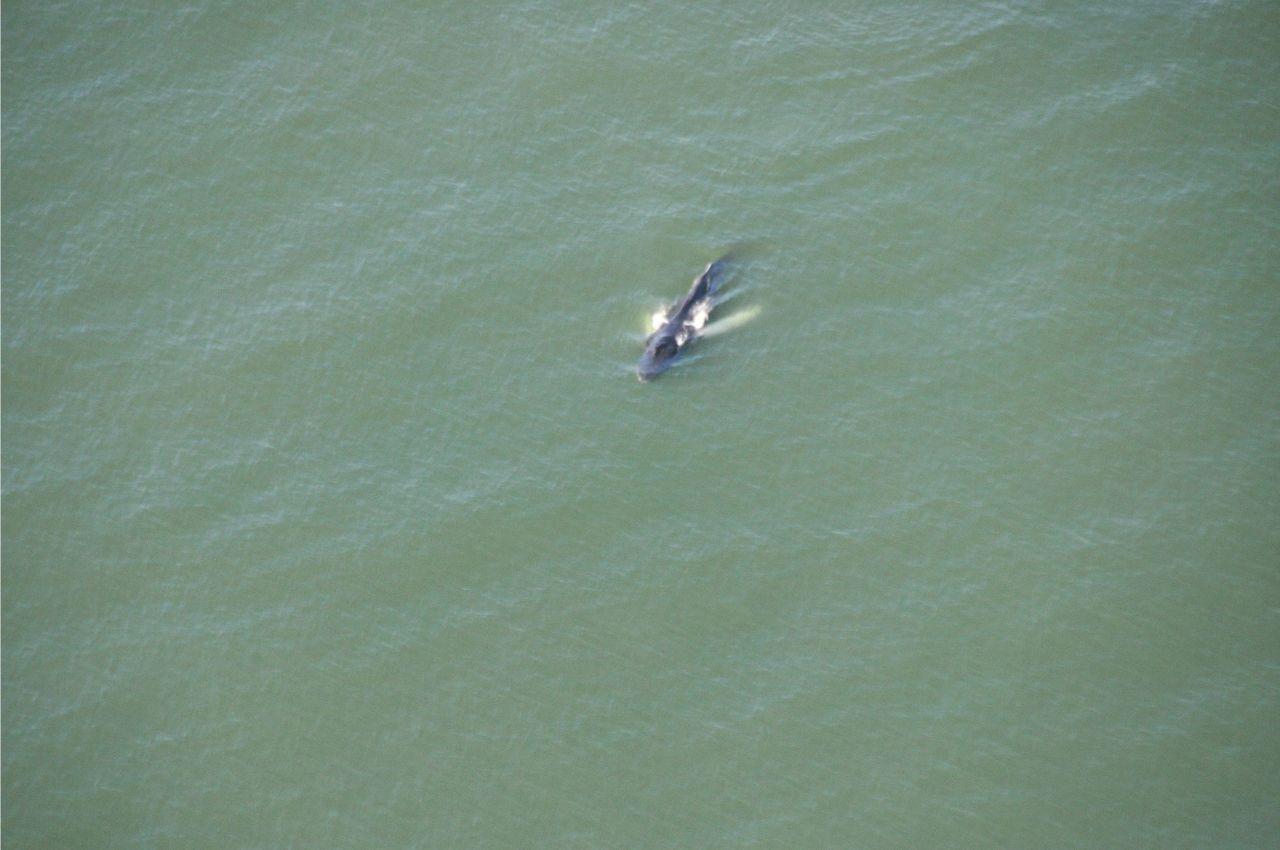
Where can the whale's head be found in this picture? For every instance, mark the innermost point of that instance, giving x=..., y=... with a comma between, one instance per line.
x=658, y=355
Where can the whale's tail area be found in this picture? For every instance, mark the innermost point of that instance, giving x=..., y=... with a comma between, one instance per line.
x=715, y=273
x=705, y=284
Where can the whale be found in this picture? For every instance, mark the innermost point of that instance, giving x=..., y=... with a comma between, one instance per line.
x=680, y=324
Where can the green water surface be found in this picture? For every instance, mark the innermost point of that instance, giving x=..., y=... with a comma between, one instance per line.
x=334, y=516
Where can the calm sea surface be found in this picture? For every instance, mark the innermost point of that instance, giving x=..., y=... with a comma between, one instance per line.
x=334, y=515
